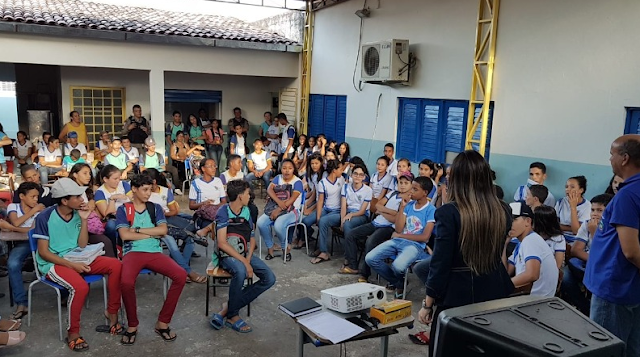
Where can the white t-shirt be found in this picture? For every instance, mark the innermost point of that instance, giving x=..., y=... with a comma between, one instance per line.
x=103, y=194
x=49, y=156
x=393, y=168
x=132, y=154
x=392, y=185
x=225, y=177
x=332, y=192
x=523, y=191
x=23, y=150
x=563, y=209
x=163, y=198
x=393, y=203
x=203, y=190
x=355, y=199
x=274, y=145
x=259, y=160
x=288, y=133
x=557, y=244
x=15, y=207
x=239, y=145
x=80, y=147
x=379, y=183
x=584, y=235
x=312, y=183
x=534, y=247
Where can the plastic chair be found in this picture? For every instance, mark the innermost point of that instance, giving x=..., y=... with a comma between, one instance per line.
x=296, y=224
x=41, y=279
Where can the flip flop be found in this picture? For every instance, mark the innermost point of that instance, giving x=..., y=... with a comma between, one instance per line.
x=199, y=280
x=14, y=326
x=19, y=315
x=15, y=338
x=238, y=325
x=420, y=338
x=78, y=344
x=165, y=333
x=320, y=259
x=216, y=321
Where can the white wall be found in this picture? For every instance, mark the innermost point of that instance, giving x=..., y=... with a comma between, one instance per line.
x=564, y=71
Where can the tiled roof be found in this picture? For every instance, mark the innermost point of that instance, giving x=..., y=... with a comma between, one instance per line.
x=91, y=15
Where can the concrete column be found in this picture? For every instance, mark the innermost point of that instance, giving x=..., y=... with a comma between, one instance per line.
x=156, y=99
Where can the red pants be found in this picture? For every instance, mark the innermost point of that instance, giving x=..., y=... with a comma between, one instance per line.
x=78, y=288
x=132, y=263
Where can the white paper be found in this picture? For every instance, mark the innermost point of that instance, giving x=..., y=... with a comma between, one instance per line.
x=330, y=327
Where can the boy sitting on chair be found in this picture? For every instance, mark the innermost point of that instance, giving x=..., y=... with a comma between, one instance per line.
x=141, y=225
x=236, y=244
x=60, y=229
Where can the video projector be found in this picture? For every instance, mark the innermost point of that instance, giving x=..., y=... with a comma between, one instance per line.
x=353, y=297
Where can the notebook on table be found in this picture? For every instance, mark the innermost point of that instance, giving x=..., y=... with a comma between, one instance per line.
x=300, y=307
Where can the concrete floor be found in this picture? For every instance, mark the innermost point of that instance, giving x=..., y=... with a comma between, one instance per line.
x=274, y=333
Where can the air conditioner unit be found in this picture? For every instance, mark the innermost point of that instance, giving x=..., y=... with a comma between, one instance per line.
x=385, y=62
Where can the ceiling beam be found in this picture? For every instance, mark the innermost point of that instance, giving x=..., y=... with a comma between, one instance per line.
x=321, y=4
x=296, y=5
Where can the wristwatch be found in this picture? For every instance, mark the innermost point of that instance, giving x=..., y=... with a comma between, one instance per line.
x=424, y=305
x=138, y=231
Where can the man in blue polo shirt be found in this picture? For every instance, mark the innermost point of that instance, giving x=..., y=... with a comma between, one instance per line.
x=613, y=268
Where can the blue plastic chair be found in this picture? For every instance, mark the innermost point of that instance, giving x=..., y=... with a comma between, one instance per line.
x=41, y=279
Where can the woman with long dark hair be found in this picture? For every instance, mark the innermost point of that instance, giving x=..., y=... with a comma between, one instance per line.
x=466, y=266
x=196, y=131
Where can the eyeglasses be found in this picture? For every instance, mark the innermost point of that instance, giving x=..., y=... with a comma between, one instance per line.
x=355, y=174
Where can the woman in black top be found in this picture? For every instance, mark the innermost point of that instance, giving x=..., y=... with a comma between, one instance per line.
x=466, y=265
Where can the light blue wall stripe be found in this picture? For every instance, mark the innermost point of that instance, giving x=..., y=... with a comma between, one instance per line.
x=511, y=171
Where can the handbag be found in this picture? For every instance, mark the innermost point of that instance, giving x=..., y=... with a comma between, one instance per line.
x=207, y=212
x=283, y=192
x=95, y=224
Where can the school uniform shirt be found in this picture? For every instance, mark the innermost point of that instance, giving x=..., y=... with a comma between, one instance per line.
x=41, y=145
x=155, y=161
x=289, y=133
x=23, y=150
x=142, y=220
x=17, y=208
x=274, y=145
x=313, y=181
x=196, y=132
x=104, y=195
x=120, y=161
x=222, y=217
x=239, y=145
x=172, y=129
x=296, y=184
x=557, y=244
x=202, y=190
x=609, y=275
x=259, y=160
x=63, y=241
x=226, y=177
x=355, y=198
x=44, y=197
x=2, y=137
x=102, y=146
x=584, y=235
x=378, y=183
x=132, y=154
x=392, y=185
x=80, y=147
x=164, y=198
x=522, y=192
x=416, y=220
x=332, y=193
x=534, y=247
x=265, y=127
x=393, y=168
x=68, y=162
x=48, y=156
x=301, y=153
x=563, y=209
x=393, y=203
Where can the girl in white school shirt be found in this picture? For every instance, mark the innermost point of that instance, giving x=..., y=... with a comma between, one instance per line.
x=573, y=209
x=315, y=173
x=379, y=181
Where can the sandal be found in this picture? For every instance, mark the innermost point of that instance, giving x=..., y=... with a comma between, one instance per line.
x=238, y=325
x=319, y=260
x=115, y=329
x=347, y=270
x=19, y=315
x=216, y=321
x=130, y=336
x=268, y=257
x=78, y=344
x=14, y=325
x=420, y=338
x=288, y=257
x=15, y=337
x=362, y=279
x=165, y=333
x=200, y=279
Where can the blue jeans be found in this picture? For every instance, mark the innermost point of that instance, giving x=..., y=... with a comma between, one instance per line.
x=280, y=226
x=182, y=258
x=111, y=232
x=18, y=255
x=621, y=320
x=266, y=178
x=403, y=251
x=421, y=269
x=571, y=286
x=327, y=220
x=45, y=171
x=182, y=222
x=239, y=297
x=215, y=152
x=354, y=222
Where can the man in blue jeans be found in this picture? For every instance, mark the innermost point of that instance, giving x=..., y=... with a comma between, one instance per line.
x=612, y=274
x=237, y=244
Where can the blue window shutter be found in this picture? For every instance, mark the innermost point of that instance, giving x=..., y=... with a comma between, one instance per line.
x=192, y=96
x=476, y=135
x=341, y=118
x=456, y=114
x=316, y=114
x=430, y=133
x=408, y=122
x=330, y=113
x=632, y=126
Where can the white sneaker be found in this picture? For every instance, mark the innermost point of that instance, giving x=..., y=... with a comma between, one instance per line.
x=178, y=192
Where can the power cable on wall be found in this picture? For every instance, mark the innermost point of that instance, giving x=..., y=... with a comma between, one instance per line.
x=375, y=126
x=358, y=87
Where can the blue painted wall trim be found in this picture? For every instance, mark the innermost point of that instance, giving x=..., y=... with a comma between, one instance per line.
x=512, y=171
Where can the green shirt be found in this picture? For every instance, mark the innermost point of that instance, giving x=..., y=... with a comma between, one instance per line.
x=119, y=161
x=142, y=220
x=62, y=235
x=195, y=132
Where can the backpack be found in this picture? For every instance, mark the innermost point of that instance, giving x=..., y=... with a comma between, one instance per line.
x=130, y=210
x=283, y=192
x=238, y=233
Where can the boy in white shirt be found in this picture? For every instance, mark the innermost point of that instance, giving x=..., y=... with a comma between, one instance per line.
x=259, y=165
x=536, y=196
x=393, y=163
x=537, y=176
x=72, y=143
x=50, y=159
x=532, y=261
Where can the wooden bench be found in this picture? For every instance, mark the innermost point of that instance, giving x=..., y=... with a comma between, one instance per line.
x=214, y=274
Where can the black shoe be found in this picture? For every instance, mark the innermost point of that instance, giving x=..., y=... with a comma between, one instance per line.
x=197, y=239
x=195, y=255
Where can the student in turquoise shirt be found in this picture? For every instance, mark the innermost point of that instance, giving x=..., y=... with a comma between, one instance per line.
x=72, y=159
x=142, y=250
x=196, y=131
